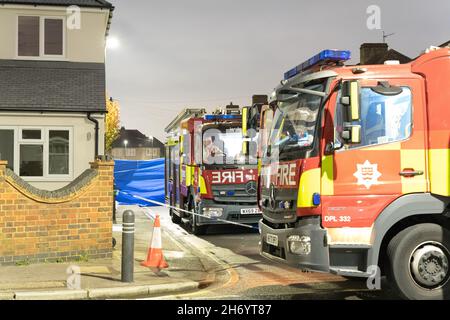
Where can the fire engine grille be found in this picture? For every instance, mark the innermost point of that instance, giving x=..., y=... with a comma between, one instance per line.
x=237, y=193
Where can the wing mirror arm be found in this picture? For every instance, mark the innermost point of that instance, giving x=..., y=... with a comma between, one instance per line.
x=331, y=147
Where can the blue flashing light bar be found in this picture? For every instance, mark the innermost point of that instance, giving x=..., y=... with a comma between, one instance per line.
x=322, y=58
x=210, y=117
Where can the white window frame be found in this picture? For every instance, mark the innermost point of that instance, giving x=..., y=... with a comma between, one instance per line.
x=36, y=142
x=42, y=55
x=31, y=140
x=16, y=145
x=47, y=153
x=45, y=135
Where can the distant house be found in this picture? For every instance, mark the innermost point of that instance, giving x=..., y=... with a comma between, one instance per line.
x=445, y=44
x=52, y=87
x=134, y=145
x=378, y=53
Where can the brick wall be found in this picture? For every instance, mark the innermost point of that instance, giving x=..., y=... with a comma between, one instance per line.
x=64, y=225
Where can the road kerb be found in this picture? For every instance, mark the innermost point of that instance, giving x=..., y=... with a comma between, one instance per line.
x=174, y=287
x=117, y=292
x=6, y=296
x=51, y=295
x=103, y=293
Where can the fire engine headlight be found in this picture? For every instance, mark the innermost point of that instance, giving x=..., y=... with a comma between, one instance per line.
x=300, y=245
x=213, y=212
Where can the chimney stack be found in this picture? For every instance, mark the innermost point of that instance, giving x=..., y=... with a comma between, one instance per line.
x=260, y=99
x=372, y=52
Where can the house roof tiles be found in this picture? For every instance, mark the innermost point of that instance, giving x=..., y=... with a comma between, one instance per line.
x=81, y=3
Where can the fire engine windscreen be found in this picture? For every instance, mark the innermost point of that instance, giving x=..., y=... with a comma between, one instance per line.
x=294, y=124
x=224, y=145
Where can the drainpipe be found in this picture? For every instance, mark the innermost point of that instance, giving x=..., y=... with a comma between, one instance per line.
x=95, y=121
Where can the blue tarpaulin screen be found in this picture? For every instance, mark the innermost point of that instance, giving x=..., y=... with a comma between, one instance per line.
x=141, y=178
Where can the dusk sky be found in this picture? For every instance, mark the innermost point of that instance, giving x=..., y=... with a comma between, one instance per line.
x=175, y=54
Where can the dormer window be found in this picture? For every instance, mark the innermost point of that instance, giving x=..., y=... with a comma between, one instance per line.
x=40, y=37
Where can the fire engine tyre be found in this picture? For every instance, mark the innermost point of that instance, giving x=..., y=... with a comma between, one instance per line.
x=419, y=259
x=194, y=227
x=175, y=218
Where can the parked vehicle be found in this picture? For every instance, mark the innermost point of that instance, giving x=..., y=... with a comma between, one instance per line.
x=356, y=174
x=211, y=168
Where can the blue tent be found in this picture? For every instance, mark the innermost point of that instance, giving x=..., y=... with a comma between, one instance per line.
x=141, y=178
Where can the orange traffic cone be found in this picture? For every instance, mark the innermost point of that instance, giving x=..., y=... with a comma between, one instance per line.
x=155, y=256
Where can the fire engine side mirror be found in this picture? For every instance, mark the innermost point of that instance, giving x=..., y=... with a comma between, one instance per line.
x=350, y=98
x=351, y=134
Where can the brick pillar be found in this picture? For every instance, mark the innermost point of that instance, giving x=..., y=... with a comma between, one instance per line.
x=104, y=205
x=106, y=180
x=3, y=165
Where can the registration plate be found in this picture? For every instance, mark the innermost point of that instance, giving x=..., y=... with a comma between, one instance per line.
x=272, y=239
x=250, y=211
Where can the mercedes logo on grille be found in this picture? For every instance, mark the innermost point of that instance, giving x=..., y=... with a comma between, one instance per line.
x=251, y=188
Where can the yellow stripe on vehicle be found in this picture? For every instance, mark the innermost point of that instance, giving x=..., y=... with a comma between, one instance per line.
x=181, y=144
x=309, y=184
x=244, y=130
x=413, y=159
x=439, y=169
x=327, y=176
x=188, y=173
x=354, y=94
x=244, y=121
x=203, y=189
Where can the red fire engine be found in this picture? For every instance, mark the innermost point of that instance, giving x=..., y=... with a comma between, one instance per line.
x=356, y=174
x=211, y=169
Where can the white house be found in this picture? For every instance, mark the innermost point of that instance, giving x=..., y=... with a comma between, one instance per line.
x=52, y=87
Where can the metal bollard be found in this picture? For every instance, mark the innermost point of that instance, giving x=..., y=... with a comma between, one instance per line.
x=128, y=246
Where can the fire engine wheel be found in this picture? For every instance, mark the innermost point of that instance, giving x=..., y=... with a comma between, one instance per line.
x=175, y=218
x=419, y=262
x=194, y=227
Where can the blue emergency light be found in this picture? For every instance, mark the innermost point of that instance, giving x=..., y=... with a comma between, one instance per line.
x=322, y=58
x=316, y=199
x=210, y=117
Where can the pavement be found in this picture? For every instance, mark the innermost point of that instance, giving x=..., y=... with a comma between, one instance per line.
x=101, y=279
x=223, y=264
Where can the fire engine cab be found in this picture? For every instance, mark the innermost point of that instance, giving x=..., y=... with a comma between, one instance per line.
x=211, y=169
x=355, y=178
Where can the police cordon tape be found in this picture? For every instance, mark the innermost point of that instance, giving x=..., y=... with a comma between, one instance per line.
x=186, y=211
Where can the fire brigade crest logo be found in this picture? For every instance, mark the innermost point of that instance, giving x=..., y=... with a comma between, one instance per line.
x=367, y=174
